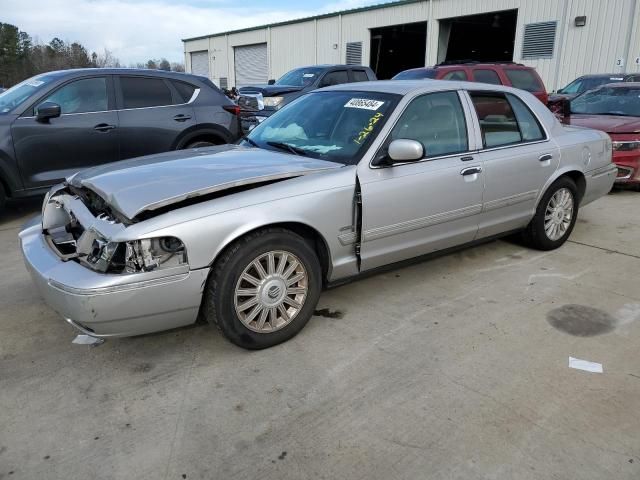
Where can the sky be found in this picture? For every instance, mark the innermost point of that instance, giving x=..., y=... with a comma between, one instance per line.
x=137, y=30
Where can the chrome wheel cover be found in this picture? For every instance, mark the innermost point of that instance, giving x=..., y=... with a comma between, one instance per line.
x=559, y=214
x=271, y=291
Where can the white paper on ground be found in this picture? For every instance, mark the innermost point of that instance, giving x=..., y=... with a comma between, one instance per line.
x=585, y=365
x=87, y=340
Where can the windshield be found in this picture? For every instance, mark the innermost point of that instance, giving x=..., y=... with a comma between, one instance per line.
x=583, y=84
x=623, y=101
x=300, y=77
x=337, y=126
x=18, y=94
x=416, y=74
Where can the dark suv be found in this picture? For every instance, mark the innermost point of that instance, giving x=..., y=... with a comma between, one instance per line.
x=260, y=101
x=57, y=123
x=499, y=73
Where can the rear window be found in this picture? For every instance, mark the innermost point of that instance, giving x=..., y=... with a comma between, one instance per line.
x=139, y=92
x=184, y=89
x=486, y=76
x=524, y=80
x=417, y=74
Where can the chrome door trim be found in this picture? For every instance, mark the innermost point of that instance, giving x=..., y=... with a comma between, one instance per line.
x=510, y=200
x=418, y=223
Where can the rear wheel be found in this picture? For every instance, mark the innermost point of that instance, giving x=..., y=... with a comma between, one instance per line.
x=264, y=288
x=200, y=144
x=3, y=197
x=555, y=216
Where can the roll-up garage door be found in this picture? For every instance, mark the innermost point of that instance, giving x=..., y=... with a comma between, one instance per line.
x=251, y=64
x=200, y=63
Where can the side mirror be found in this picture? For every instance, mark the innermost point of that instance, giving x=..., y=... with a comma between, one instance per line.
x=405, y=150
x=47, y=110
x=271, y=82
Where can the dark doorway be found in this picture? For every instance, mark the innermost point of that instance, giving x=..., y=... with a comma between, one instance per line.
x=397, y=48
x=488, y=37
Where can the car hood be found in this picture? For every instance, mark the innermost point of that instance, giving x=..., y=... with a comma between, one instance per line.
x=270, y=90
x=606, y=123
x=149, y=183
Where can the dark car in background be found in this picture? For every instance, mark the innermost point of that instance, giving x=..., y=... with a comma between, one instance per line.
x=260, y=101
x=57, y=123
x=499, y=73
x=589, y=82
x=615, y=109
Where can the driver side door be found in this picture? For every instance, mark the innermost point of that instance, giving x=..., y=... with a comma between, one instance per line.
x=84, y=135
x=414, y=208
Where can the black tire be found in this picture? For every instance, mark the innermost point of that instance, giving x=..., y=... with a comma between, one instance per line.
x=218, y=303
x=200, y=144
x=535, y=235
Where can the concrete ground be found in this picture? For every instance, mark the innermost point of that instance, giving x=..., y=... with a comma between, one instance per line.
x=454, y=368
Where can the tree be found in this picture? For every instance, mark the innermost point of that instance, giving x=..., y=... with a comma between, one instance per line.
x=164, y=65
x=152, y=65
x=105, y=59
x=177, y=67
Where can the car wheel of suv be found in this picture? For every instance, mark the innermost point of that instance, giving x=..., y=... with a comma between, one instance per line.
x=555, y=216
x=3, y=197
x=200, y=144
x=264, y=288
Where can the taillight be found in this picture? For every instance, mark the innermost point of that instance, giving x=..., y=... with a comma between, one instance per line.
x=234, y=109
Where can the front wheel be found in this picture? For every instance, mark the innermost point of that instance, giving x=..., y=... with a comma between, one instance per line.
x=555, y=216
x=264, y=288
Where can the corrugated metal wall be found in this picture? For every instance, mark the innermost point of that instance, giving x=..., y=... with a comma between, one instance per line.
x=612, y=31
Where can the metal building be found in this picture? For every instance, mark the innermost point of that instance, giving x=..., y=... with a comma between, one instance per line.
x=562, y=39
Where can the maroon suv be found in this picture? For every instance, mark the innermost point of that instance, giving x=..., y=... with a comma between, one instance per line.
x=509, y=74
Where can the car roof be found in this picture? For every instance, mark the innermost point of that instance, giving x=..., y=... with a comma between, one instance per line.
x=404, y=87
x=621, y=85
x=605, y=75
x=80, y=72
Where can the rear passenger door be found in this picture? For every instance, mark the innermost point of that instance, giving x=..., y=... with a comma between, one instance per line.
x=518, y=159
x=152, y=114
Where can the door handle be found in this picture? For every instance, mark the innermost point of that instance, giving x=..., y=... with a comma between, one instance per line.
x=545, y=157
x=467, y=158
x=470, y=171
x=104, y=127
x=181, y=117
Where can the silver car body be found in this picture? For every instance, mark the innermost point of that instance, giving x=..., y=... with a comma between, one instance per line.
x=363, y=216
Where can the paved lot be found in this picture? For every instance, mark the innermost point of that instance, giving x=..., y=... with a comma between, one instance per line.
x=451, y=368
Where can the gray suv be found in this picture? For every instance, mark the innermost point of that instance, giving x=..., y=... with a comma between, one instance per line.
x=57, y=123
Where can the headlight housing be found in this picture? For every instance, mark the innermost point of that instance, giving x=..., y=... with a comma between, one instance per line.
x=272, y=101
x=626, y=145
x=136, y=256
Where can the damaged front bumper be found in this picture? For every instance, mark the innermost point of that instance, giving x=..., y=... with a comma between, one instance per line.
x=111, y=305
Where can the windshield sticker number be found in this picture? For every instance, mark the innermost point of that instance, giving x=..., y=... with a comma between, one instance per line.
x=364, y=103
x=34, y=83
x=364, y=133
x=309, y=75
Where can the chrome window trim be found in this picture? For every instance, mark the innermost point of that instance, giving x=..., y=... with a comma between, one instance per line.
x=193, y=98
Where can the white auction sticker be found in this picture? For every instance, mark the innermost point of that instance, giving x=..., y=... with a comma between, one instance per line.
x=364, y=103
x=308, y=75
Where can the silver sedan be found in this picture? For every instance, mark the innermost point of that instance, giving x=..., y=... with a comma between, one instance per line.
x=340, y=182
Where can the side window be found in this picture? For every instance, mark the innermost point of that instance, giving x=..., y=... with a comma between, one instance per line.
x=359, y=76
x=486, y=76
x=335, y=78
x=82, y=96
x=524, y=80
x=139, y=92
x=505, y=120
x=437, y=121
x=530, y=129
x=456, y=75
x=184, y=89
